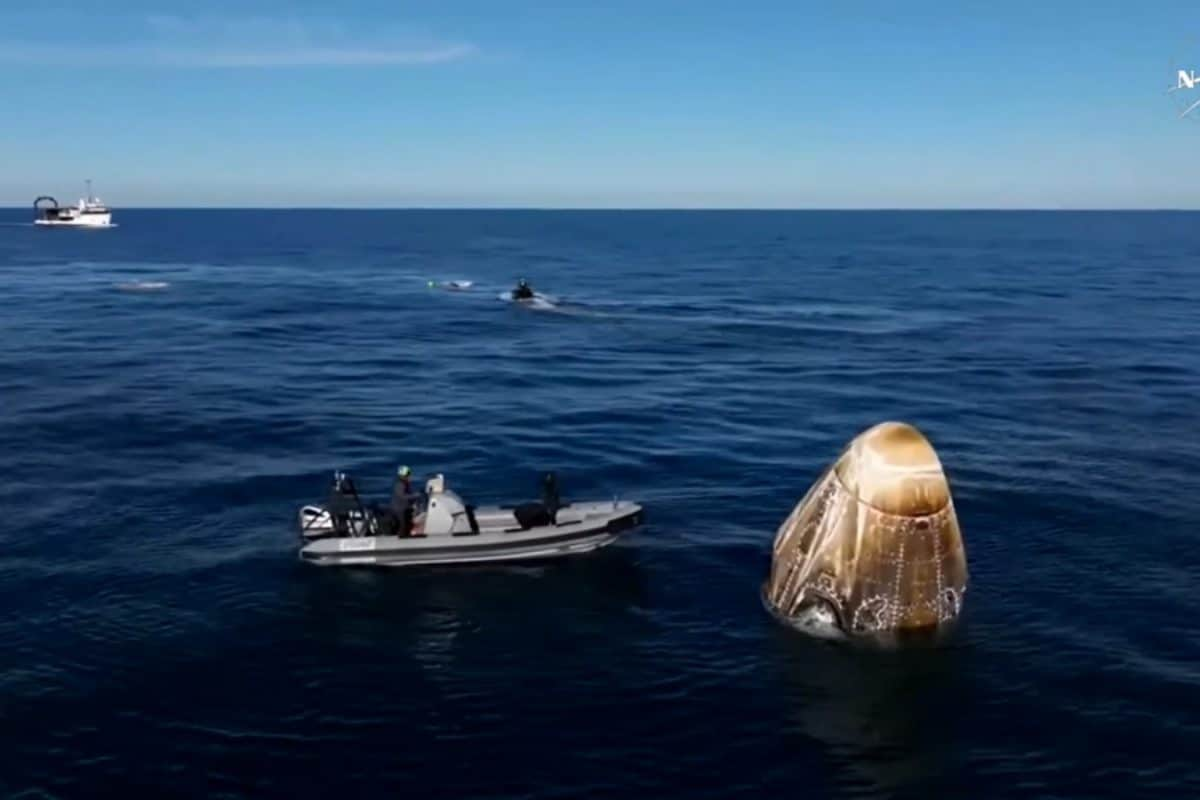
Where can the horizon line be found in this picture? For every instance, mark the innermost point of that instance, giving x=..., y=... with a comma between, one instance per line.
x=677, y=209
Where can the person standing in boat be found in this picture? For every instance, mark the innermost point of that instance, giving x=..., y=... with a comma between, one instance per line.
x=403, y=500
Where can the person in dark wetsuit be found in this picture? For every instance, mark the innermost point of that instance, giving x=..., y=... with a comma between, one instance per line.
x=402, y=500
x=550, y=497
x=523, y=291
x=343, y=501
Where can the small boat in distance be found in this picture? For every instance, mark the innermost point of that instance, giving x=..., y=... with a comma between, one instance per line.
x=89, y=213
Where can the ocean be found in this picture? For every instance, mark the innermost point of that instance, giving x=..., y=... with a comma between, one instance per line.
x=173, y=389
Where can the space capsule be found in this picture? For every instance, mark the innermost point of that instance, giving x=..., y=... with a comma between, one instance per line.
x=873, y=549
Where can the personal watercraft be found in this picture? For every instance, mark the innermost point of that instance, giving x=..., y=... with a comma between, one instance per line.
x=523, y=291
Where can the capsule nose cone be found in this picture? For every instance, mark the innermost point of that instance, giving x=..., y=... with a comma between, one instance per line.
x=874, y=545
x=892, y=467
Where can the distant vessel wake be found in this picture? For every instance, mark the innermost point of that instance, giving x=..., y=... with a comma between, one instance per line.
x=540, y=302
x=143, y=286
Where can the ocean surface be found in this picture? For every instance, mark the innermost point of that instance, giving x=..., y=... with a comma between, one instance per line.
x=173, y=389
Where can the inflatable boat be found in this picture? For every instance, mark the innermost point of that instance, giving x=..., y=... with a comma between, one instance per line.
x=437, y=527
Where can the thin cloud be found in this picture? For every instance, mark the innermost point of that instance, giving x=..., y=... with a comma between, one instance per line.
x=323, y=56
x=247, y=43
x=48, y=55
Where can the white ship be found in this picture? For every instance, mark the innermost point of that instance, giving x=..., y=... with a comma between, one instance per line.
x=89, y=213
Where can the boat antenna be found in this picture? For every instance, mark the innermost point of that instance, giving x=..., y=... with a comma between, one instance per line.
x=89, y=189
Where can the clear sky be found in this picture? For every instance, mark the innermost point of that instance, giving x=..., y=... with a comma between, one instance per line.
x=625, y=103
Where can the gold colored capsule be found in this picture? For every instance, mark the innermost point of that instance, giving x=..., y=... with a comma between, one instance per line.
x=873, y=549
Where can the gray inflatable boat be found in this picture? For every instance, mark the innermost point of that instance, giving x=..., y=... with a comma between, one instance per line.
x=442, y=529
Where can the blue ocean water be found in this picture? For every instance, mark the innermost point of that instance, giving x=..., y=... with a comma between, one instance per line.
x=172, y=389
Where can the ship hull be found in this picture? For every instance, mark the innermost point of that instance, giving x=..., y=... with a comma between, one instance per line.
x=84, y=221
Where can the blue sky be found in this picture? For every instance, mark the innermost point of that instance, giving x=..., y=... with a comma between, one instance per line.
x=775, y=103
